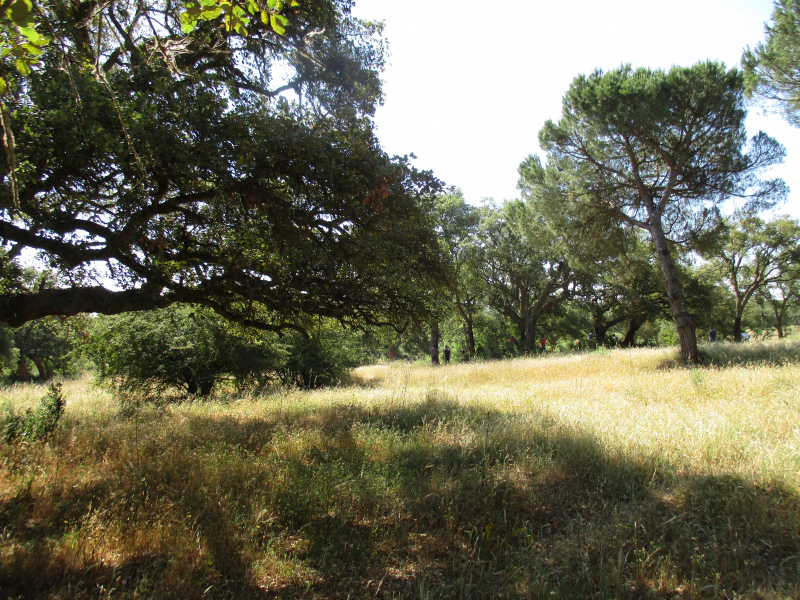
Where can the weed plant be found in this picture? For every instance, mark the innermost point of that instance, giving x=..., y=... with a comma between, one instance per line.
x=613, y=475
x=35, y=424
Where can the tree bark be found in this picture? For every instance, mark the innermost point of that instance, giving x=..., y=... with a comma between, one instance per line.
x=677, y=300
x=22, y=367
x=630, y=335
x=469, y=329
x=530, y=332
x=393, y=348
x=779, y=318
x=524, y=321
x=599, y=331
x=40, y=367
x=435, y=342
x=469, y=334
x=737, y=328
x=18, y=309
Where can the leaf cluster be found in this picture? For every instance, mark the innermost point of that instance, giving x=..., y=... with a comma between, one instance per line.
x=772, y=68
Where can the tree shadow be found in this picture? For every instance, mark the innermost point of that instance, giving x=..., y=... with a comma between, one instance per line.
x=728, y=354
x=431, y=499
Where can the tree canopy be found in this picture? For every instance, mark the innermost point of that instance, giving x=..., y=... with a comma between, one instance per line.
x=751, y=255
x=153, y=157
x=772, y=68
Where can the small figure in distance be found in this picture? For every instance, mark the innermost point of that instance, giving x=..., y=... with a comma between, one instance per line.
x=745, y=336
x=446, y=354
x=712, y=335
x=543, y=343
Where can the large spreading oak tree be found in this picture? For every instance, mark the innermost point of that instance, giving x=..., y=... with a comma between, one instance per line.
x=527, y=277
x=660, y=151
x=220, y=156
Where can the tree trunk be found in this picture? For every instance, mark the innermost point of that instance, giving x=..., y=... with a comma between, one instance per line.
x=530, y=332
x=469, y=334
x=600, y=333
x=677, y=301
x=779, y=318
x=393, y=348
x=40, y=367
x=630, y=335
x=737, y=328
x=524, y=323
x=435, y=342
x=22, y=367
x=464, y=309
x=191, y=384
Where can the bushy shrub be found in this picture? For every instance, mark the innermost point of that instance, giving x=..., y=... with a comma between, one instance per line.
x=323, y=359
x=39, y=423
x=180, y=347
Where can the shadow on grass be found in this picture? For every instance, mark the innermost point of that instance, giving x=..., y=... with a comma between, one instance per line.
x=426, y=500
x=729, y=354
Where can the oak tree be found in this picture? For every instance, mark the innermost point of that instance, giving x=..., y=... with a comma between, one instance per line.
x=527, y=277
x=217, y=158
x=458, y=225
x=752, y=255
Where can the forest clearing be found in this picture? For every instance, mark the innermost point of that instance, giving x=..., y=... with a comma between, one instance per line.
x=612, y=474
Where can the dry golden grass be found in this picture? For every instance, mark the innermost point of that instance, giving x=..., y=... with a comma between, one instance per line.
x=611, y=474
x=741, y=420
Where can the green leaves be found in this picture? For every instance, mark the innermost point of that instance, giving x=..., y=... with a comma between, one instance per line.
x=238, y=14
x=19, y=39
x=771, y=69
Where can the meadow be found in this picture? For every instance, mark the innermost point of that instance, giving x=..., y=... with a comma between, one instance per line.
x=611, y=475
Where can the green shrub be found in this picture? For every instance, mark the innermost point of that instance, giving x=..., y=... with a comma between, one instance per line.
x=36, y=424
x=180, y=347
x=324, y=359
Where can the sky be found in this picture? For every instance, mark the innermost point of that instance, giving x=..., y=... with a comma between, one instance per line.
x=469, y=84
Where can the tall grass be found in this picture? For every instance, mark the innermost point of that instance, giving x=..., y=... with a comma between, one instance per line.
x=614, y=474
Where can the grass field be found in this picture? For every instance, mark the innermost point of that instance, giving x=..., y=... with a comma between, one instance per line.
x=615, y=474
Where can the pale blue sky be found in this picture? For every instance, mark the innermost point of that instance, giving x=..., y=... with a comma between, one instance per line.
x=470, y=83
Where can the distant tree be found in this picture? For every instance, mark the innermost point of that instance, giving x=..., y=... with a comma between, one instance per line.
x=52, y=344
x=526, y=275
x=782, y=295
x=614, y=280
x=772, y=68
x=658, y=151
x=753, y=254
x=458, y=224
